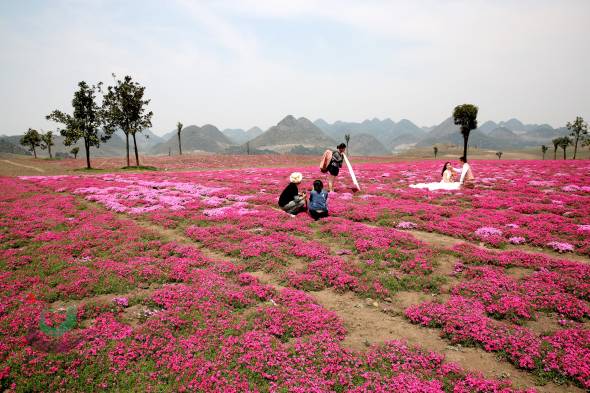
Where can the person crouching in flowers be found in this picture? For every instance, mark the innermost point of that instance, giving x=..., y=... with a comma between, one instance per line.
x=291, y=200
x=318, y=201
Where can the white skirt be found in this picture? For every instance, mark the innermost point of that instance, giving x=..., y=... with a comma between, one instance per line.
x=438, y=186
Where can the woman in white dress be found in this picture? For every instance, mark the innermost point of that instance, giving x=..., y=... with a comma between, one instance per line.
x=446, y=183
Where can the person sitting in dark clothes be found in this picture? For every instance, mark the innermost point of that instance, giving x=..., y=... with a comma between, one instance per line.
x=291, y=200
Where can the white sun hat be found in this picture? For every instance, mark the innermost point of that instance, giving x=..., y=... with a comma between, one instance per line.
x=296, y=177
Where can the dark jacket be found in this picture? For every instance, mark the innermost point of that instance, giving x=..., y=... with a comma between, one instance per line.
x=337, y=159
x=288, y=194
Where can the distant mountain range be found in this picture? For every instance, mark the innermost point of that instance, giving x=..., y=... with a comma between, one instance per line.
x=239, y=136
x=385, y=131
x=301, y=136
x=206, y=139
x=292, y=133
x=511, y=134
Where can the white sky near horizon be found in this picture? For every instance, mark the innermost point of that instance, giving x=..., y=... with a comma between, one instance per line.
x=238, y=64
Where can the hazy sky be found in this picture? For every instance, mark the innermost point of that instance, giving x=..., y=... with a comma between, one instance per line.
x=237, y=64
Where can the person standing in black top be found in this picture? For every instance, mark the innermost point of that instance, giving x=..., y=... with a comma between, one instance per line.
x=335, y=165
x=291, y=200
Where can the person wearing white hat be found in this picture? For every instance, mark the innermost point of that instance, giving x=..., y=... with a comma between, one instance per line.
x=291, y=200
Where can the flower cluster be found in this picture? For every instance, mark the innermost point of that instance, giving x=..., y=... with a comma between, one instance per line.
x=406, y=225
x=561, y=246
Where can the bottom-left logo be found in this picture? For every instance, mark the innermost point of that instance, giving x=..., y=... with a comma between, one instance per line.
x=57, y=331
x=53, y=339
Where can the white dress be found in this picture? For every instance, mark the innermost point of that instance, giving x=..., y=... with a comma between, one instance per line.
x=446, y=183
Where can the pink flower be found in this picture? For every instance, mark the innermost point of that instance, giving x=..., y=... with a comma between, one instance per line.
x=406, y=225
x=517, y=240
x=485, y=232
x=561, y=246
x=121, y=301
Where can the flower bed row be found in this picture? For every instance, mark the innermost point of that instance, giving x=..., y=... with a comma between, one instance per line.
x=565, y=354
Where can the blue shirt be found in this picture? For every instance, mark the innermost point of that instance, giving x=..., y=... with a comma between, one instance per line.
x=318, y=200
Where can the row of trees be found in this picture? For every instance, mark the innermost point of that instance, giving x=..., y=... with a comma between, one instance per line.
x=33, y=139
x=123, y=107
x=465, y=116
x=562, y=141
x=578, y=136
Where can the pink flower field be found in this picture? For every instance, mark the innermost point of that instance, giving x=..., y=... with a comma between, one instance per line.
x=196, y=281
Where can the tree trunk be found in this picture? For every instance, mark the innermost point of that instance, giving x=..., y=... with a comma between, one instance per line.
x=555, y=153
x=575, y=148
x=465, y=139
x=136, y=155
x=87, y=148
x=51, y=157
x=179, y=144
x=127, y=146
x=34, y=151
x=543, y=155
x=564, y=153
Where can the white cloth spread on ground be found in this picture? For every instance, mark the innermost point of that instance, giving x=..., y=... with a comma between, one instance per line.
x=453, y=186
x=446, y=183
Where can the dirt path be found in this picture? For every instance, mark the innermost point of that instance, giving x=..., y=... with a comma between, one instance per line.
x=24, y=166
x=448, y=241
x=368, y=325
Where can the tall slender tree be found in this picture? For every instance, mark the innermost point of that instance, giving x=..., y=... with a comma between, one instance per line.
x=178, y=131
x=555, y=146
x=435, y=149
x=347, y=139
x=578, y=131
x=544, y=150
x=124, y=108
x=32, y=140
x=465, y=116
x=564, y=142
x=47, y=142
x=85, y=121
x=75, y=150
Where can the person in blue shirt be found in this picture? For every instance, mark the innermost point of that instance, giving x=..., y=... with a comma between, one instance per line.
x=318, y=201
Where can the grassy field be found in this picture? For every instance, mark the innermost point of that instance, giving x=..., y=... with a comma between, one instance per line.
x=17, y=165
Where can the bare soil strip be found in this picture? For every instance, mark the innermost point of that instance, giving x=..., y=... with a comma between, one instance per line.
x=24, y=166
x=448, y=241
x=368, y=325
